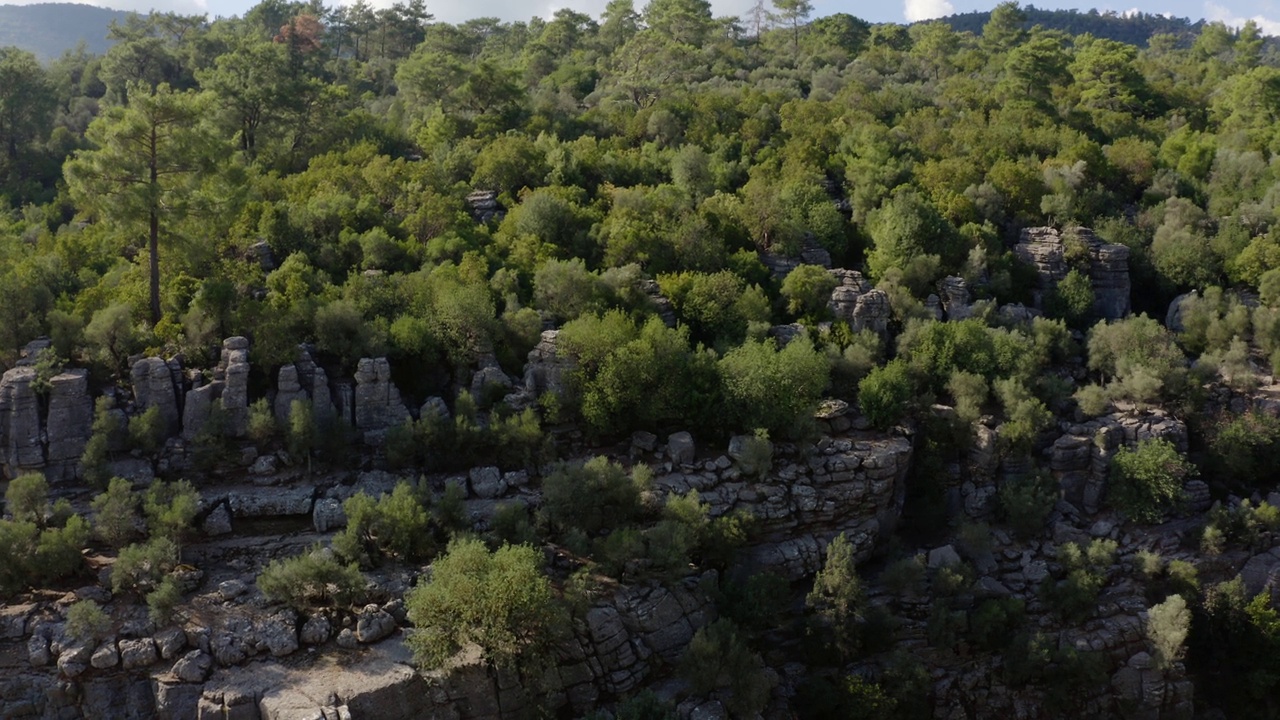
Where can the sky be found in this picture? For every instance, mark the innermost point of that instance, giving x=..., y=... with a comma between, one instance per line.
x=1233, y=12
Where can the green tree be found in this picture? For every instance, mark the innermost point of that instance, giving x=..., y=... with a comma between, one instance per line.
x=837, y=597
x=777, y=390
x=500, y=602
x=807, y=290
x=115, y=513
x=1146, y=481
x=141, y=175
x=27, y=498
x=27, y=103
x=313, y=579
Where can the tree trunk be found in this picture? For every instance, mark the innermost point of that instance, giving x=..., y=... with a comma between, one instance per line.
x=154, y=231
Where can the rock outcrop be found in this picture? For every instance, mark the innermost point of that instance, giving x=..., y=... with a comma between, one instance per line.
x=68, y=423
x=1046, y=249
x=233, y=371
x=854, y=485
x=1080, y=459
x=954, y=295
x=857, y=303
x=20, y=422
x=154, y=386
x=377, y=400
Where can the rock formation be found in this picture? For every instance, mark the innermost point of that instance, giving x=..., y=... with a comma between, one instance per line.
x=1046, y=250
x=154, y=386
x=68, y=423
x=377, y=401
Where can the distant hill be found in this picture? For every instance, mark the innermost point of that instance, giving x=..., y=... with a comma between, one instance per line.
x=49, y=29
x=1135, y=29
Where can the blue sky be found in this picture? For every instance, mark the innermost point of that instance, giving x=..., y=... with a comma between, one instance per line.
x=1232, y=12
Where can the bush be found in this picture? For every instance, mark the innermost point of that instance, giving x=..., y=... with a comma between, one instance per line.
x=1075, y=597
x=886, y=393
x=312, y=579
x=1146, y=481
x=87, y=622
x=147, y=431
x=115, y=513
x=511, y=524
x=107, y=428
x=170, y=508
x=140, y=567
x=773, y=389
x=594, y=496
x=718, y=658
x=836, y=599
x=395, y=525
x=1242, y=448
x=27, y=498
x=59, y=550
x=262, y=423
x=499, y=601
x=1025, y=503
x=1167, y=626
x=807, y=289
x=1071, y=299
x=162, y=601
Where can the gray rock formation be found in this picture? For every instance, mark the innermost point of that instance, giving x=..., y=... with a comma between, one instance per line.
x=872, y=312
x=855, y=485
x=546, y=369
x=233, y=371
x=1080, y=458
x=20, y=431
x=198, y=407
x=954, y=294
x=302, y=380
x=857, y=303
x=1108, y=267
x=68, y=423
x=485, y=206
x=377, y=400
x=154, y=386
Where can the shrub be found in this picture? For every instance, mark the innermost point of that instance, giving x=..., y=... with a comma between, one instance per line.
x=1167, y=626
x=313, y=579
x=27, y=498
x=1071, y=299
x=837, y=598
x=1146, y=481
x=719, y=658
x=1025, y=503
x=262, y=423
x=807, y=289
x=594, y=496
x=87, y=622
x=886, y=393
x=1075, y=597
x=115, y=513
x=1242, y=448
x=58, y=550
x=170, y=508
x=140, y=567
x=511, y=524
x=395, y=525
x=147, y=431
x=904, y=576
x=162, y=601
x=773, y=389
x=755, y=456
x=499, y=601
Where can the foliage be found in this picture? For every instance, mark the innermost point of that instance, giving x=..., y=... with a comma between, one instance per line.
x=500, y=602
x=313, y=579
x=593, y=496
x=115, y=513
x=837, y=598
x=87, y=622
x=27, y=498
x=147, y=431
x=170, y=508
x=1146, y=481
x=141, y=567
x=718, y=658
x=395, y=525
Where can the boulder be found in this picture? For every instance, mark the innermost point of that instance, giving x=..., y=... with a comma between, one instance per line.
x=105, y=656
x=197, y=408
x=374, y=624
x=486, y=482
x=170, y=642
x=954, y=294
x=137, y=653
x=316, y=630
x=328, y=515
x=280, y=633
x=194, y=666
x=680, y=448
x=217, y=522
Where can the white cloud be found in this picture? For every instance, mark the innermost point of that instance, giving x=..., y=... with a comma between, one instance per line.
x=916, y=10
x=1223, y=14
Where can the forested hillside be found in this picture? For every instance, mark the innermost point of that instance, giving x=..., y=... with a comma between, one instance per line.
x=766, y=366
x=50, y=29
